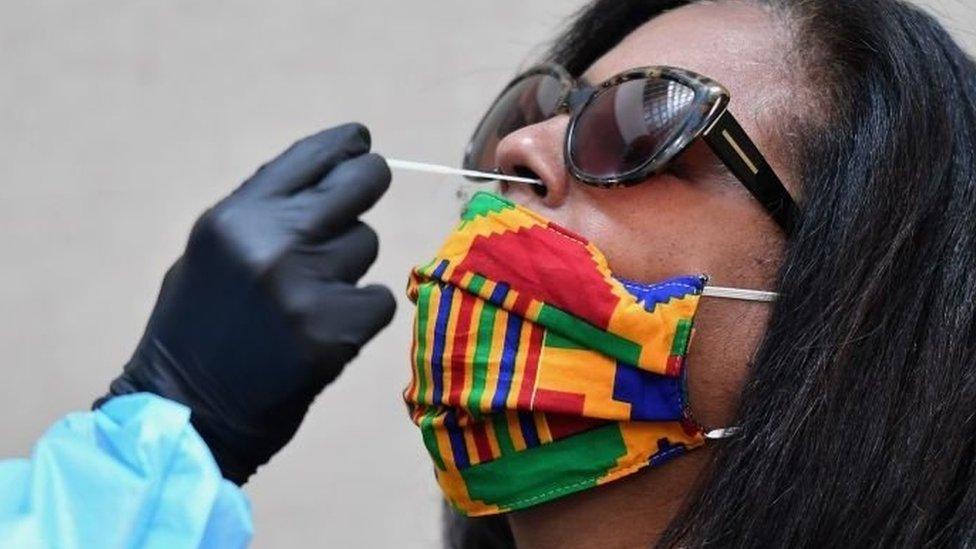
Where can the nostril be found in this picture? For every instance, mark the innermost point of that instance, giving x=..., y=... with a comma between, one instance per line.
x=539, y=190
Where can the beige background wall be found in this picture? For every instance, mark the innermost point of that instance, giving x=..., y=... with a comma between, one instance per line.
x=120, y=121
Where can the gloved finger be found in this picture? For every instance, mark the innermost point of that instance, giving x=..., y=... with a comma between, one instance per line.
x=371, y=309
x=346, y=192
x=308, y=160
x=365, y=311
x=345, y=257
x=380, y=301
x=172, y=274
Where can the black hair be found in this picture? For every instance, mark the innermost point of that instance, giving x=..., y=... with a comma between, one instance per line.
x=858, y=418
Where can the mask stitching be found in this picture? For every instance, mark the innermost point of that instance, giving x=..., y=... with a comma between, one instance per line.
x=639, y=288
x=676, y=397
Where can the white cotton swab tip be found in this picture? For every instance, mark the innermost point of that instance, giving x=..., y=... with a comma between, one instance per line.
x=436, y=168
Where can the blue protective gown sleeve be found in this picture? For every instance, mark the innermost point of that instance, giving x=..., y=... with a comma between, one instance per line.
x=133, y=473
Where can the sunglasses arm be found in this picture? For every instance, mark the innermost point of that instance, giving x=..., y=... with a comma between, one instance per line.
x=730, y=143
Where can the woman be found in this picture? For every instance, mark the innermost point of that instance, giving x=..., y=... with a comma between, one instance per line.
x=852, y=393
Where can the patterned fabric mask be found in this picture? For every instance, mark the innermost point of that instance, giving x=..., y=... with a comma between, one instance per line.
x=536, y=373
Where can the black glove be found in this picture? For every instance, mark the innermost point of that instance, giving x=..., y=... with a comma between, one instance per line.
x=262, y=311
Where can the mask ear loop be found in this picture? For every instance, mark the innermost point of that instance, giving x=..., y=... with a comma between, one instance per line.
x=739, y=293
x=744, y=295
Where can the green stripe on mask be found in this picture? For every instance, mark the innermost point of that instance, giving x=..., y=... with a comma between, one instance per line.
x=483, y=204
x=577, y=329
x=482, y=350
x=423, y=304
x=569, y=465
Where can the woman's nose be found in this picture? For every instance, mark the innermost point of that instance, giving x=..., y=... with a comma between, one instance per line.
x=536, y=151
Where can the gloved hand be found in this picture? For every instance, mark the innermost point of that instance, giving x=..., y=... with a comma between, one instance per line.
x=262, y=310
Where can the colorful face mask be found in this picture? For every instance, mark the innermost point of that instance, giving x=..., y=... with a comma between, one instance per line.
x=536, y=373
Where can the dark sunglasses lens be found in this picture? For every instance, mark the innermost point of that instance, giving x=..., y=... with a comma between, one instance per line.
x=529, y=101
x=625, y=126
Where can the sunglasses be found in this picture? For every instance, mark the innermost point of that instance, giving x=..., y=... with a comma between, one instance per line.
x=630, y=127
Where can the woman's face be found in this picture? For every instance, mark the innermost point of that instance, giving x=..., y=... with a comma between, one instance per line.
x=696, y=219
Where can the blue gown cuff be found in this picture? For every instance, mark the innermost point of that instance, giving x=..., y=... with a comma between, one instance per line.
x=132, y=473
